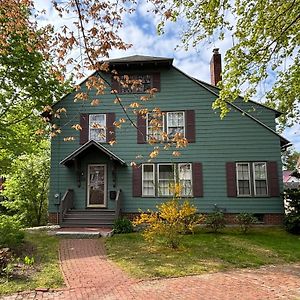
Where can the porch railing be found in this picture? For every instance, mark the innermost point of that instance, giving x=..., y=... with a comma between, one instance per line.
x=118, y=204
x=65, y=204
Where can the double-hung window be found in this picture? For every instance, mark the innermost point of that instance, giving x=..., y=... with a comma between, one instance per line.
x=185, y=179
x=175, y=123
x=165, y=173
x=260, y=178
x=155, y=127
x=243, y=179
x=148, y=180
x=252, y=179
x=97, y=127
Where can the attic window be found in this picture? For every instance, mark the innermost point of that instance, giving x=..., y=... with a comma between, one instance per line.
x=136, y=83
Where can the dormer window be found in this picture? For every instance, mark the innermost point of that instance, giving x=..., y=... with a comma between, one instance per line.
x=136, y=83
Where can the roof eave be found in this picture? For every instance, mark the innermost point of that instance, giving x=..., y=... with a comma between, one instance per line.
x=71, y=157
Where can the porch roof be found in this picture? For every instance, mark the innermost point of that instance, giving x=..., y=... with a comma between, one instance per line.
x=88, y=145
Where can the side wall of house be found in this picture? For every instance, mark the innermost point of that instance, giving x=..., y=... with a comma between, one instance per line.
x=235, y=138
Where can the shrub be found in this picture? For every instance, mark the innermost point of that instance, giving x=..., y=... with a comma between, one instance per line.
x=215, y=221
x=170, y=221
x=245, y=220
x=122, y=225
x=27, y=188
x=292, y=218
x=10, y=232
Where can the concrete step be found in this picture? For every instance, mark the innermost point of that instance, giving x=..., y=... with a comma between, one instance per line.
x=88, y=221
x=82, y=232
x=85, y=216
x=77, y=225
x=91, y=210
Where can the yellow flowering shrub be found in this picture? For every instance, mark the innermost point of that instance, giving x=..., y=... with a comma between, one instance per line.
x=172, y=219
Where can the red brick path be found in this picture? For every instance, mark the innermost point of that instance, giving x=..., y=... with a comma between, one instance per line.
x=89, y=275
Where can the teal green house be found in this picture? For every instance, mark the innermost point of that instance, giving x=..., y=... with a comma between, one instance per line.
x=110, y=167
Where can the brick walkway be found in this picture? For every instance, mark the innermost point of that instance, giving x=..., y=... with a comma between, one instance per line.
x=89, y=275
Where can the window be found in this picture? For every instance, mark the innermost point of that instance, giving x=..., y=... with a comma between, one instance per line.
x=148, y=180
x=165, y=179
x=260, y=178
x=135, y=83
x=243, y=179
x=158, y=180
x=155, y=127
x=252, y=179
x=97, y=127
x=185, y=179
x=175, y=123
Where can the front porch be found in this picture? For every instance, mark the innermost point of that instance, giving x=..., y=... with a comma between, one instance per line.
x=92, y=198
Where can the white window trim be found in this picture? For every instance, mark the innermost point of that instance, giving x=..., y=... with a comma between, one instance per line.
x=237, y=179
x=178, y=170
x=179, y=111
x=92, y=128
x=147, y=127
x=158, y=179
x=254, y=184
x=153, y=172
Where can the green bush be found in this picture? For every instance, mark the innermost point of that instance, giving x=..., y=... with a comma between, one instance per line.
x=245, y=220
x=292, y=218
x=215, y=221
x=11, y=234
x=122, y=225
x=26, y=188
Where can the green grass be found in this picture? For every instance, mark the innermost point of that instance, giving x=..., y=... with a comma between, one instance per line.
x=204, y=252
x=45, y=272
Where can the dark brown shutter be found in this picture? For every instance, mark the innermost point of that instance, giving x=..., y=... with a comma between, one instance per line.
x=273, y=182
x=137, y=181
x=110, y=128
x=197, y=179
x=156, y=81
x=231, y=179
x=114, y=84
x=84, y=132
x=190, y=129
x=141, y=129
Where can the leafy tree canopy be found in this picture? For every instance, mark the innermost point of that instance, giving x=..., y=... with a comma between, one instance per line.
x=27, y=188
x=266, y=36
x=290, y=159
x=29, y=80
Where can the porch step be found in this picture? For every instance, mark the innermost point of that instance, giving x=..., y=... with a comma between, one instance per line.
x=89, y=218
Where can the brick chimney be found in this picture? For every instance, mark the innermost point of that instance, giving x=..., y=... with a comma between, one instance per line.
x=215, y=67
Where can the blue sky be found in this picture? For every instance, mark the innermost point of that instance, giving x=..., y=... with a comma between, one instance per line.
x=140, y=31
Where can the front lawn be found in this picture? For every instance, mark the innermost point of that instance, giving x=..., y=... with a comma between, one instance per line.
x=204, y=252
x=45, y=271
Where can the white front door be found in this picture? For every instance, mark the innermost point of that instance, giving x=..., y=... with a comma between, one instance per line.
x=96, y=186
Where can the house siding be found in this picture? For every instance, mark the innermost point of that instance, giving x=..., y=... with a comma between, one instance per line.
x=235, y=138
